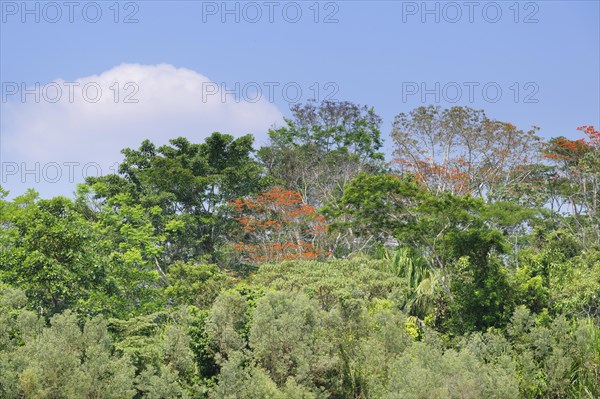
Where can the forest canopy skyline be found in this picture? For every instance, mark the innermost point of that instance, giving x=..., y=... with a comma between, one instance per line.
x=310, y=267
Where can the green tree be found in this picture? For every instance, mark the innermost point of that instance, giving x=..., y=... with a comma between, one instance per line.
x=441, y=229
x=425, y=371
x=66, y=361
x=51, y=252
x=191, y=185
x=131, y=247
x=556, y=358
x=482, y=295
x=322, y=147
x=285, y=339
x=191, y=284
x=388, y=206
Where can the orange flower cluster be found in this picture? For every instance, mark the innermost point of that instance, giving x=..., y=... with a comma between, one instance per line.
x=276, y=225
x=570, y=154
x=592, y=133
x=563, y=149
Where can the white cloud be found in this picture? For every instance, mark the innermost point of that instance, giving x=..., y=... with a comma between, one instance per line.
x=171, y=102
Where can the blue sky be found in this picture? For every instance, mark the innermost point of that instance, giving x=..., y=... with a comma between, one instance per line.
x=175, y=58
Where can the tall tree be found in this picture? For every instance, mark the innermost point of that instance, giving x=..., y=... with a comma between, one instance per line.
x=131, y=247
x=460, y=150
x=191, y=184
x=441, y=228
x=322, y=147
x=577, y=176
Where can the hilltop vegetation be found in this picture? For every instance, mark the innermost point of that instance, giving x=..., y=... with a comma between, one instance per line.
x=466, y=267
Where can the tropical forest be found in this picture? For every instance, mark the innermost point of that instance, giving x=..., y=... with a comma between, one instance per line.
x=458, y=258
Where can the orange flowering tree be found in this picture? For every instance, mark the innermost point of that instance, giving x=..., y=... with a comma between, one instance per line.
x=578, y=173
x=571, y=152
x=276, y=225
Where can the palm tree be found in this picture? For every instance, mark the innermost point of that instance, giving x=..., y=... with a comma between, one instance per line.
x=421, y=281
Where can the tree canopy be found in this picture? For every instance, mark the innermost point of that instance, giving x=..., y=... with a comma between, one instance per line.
x=466, y=267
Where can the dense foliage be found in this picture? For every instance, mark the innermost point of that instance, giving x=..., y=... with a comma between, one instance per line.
x=468, y=267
